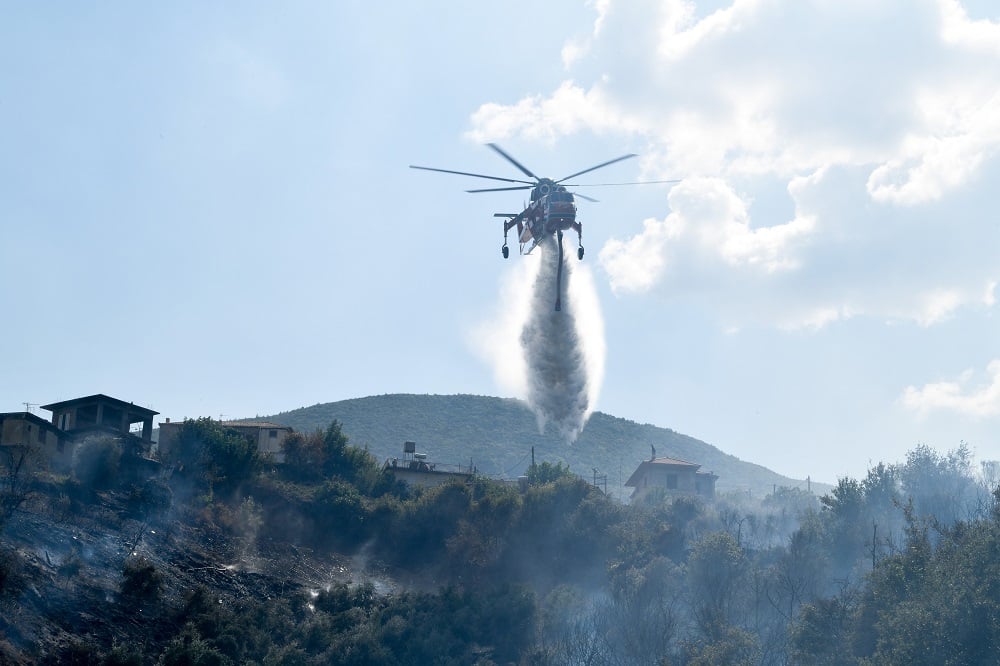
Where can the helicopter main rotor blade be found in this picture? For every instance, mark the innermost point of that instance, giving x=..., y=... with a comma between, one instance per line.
x=502, y=189
x=603, y=164
x=510, y=159
x=585, y=197
x=475, y=175
x=640, y=182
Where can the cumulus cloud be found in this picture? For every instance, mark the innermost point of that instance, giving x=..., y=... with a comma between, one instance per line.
x=880, y=120
x=959, y=395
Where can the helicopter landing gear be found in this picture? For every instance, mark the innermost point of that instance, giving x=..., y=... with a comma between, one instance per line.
x=505, y=251
x=579, y=253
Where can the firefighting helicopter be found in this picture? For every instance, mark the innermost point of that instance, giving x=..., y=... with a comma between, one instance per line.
x=551, y=210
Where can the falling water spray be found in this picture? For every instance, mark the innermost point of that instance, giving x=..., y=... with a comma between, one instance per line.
x=554, y=350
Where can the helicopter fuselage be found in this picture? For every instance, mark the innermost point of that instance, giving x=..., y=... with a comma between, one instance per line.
x=547, y=215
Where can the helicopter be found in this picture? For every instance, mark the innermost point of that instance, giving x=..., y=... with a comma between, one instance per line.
x=551, y=209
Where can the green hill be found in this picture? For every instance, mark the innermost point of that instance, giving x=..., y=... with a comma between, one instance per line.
x=496, y=435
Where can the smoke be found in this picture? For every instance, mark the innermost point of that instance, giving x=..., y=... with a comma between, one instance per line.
x=554, y=354
x=557, y=364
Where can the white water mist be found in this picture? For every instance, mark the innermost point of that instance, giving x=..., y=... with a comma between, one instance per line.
x=554, y=353
x=522, y=311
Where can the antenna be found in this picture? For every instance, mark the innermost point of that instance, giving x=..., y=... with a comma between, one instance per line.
x=29, y=405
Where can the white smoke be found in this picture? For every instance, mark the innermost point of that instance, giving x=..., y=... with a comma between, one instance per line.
x=557, y=364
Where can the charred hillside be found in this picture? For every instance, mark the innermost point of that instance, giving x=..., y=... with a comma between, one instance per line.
x=223, y=557
x=497, y=435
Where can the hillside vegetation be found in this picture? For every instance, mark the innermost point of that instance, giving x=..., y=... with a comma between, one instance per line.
x=223, y=557
x=497, y=435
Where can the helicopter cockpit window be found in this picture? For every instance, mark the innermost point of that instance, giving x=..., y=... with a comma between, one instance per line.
x=561, y=196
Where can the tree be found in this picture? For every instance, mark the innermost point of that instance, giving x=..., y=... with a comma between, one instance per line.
x=844, y=511
x=941, y=486
x=546, y=472
x=716, y=568
x=218, y=457
x=646, y=607
x=17, y=467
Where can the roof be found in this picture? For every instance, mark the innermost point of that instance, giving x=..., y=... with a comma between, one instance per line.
x=253, y=424
x=100, y=397
x=28, y=416
x=234, y=424
x=647, y=465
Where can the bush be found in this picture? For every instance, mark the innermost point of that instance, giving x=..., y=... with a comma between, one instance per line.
x=215, y=457
x=96, y=462
x=150, y=499
x=141, y=582
x=339, y=515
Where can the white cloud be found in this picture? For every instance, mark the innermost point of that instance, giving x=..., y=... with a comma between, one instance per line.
x=957, y=395
x=961, y=130
x=681, y=32
x=882, y=121
x=569, y=109
x=959, y=30
x=637, y=264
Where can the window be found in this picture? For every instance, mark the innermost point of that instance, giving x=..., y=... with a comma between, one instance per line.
x=272, y=434
x=41, y=435
x=671, y=482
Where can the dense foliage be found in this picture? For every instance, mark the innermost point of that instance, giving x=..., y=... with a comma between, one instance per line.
x=901, y=567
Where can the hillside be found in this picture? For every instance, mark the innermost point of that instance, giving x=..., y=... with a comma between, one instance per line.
x=496, y=435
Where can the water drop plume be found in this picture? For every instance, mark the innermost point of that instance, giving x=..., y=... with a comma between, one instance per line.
x=554, y=351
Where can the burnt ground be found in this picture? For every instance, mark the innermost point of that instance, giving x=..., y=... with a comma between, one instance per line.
x=62, y=566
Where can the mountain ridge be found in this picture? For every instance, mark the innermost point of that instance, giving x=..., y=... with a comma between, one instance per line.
x=497, y=435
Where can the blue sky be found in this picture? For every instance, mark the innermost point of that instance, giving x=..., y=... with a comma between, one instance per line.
x=206, y=208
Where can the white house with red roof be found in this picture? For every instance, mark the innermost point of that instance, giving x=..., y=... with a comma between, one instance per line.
x=673, y=477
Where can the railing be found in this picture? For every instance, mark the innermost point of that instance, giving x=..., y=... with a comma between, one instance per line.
x=426, y=466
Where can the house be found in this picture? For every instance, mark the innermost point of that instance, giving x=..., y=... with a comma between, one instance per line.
x=73, y=421
x=415, y=470
x=674, y=477
x=269, y=437
x=102, y=414
x=24, y=430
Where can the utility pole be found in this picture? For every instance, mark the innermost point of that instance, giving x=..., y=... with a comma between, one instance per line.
x=603, y=478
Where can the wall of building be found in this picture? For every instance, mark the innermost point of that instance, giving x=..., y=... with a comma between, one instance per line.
x=53, y=449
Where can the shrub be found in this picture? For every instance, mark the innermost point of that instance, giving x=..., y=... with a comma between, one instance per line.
x=338, y=514
x=214, y=456
x=141, y=582
x=96, y=462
